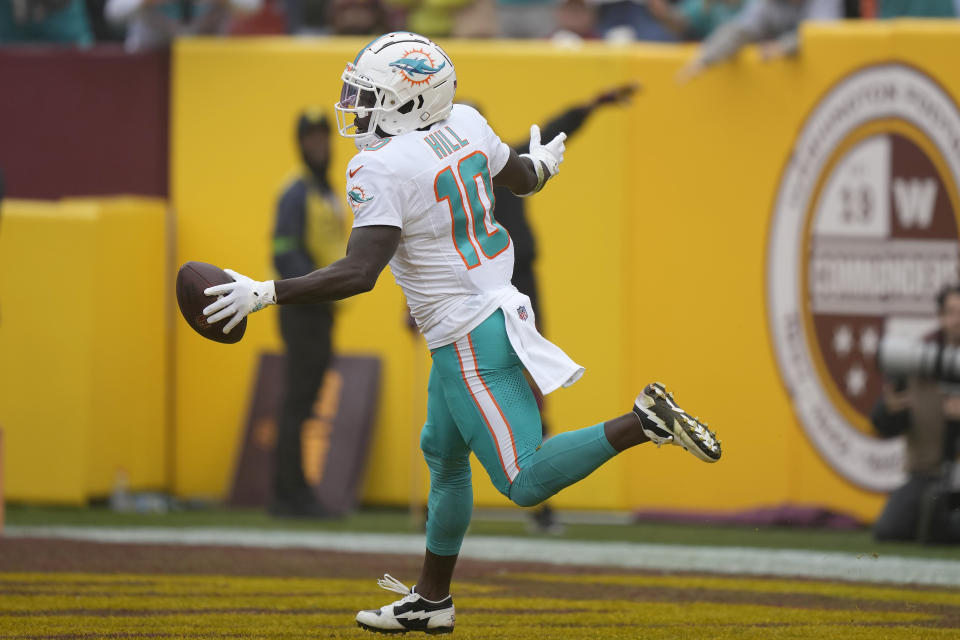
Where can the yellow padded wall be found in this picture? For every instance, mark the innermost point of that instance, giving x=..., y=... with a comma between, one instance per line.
x=46, y=338
x=131, y=346
x=653, y=248
x=83, y=386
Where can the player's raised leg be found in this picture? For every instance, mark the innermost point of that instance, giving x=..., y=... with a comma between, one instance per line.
x=498, y=419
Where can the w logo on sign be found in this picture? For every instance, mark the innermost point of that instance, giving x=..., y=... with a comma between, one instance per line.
x=914, y=200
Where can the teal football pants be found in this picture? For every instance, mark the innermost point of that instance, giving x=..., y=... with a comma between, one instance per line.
x=478, y=400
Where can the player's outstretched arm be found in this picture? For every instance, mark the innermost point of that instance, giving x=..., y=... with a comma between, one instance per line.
x=368, y=252
x=527, y=173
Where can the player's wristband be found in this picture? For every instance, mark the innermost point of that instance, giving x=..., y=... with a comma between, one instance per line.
x=265, y=294
x=542, y=174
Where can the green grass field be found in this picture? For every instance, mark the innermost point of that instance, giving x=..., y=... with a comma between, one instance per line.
x=398, y=521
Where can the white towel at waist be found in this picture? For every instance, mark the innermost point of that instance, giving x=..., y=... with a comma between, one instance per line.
x=548, y=365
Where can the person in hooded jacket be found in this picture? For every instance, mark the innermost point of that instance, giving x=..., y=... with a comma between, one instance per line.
x=310, y=233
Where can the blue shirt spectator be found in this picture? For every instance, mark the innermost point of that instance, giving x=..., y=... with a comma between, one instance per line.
x=773, y=23
x=694, y=19
x=919, y=9
x=617, y=18
x=46, y=21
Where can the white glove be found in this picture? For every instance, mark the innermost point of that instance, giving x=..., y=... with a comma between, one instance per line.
x=546, y=158
x=239, y=298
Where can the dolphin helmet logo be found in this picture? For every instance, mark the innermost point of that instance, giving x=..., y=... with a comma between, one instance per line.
x=417, y=66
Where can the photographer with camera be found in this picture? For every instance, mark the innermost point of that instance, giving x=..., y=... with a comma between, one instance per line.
x=921, y=401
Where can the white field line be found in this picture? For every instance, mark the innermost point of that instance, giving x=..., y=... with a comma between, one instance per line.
x=830, y=565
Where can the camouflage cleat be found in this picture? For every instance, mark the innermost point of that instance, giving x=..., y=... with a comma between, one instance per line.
x=666, y=423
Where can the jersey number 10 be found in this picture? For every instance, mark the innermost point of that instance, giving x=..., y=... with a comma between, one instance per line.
x=448, y=188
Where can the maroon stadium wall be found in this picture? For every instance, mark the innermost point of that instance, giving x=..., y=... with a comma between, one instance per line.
x=82, y=123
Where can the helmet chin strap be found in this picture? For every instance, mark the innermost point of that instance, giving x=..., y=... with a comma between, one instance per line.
x=370, y=136
x=362, y=141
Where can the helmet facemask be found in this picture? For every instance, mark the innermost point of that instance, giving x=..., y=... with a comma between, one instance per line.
x=361, y=99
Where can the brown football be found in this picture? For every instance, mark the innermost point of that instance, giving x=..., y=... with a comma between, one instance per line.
x=192, y=279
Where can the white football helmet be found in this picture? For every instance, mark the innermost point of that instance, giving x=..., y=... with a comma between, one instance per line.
x=401, y=81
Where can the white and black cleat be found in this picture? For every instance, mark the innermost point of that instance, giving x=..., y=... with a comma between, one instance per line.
x=409, y=613
x=666, y=423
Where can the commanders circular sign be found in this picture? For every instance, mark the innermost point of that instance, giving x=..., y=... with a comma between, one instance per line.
x=864, y=234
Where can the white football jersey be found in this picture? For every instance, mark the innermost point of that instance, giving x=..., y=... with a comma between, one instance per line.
x=454, y=262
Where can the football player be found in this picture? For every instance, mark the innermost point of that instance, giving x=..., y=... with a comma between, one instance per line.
x=421, y=189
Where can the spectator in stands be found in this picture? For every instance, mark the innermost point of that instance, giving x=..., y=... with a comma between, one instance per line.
x=269, y=20
x=624, y=20
x=576, y=20
x=475, y=19
x=432, y=18
x=310, y=233
x=694, y=19
x=927, y=413
x=356, y=17
x=772, y=23
x=44, y=21
x=526, y=18
x=153, y=24
x=307, y=17
x=918, y=8
x=102, y=29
